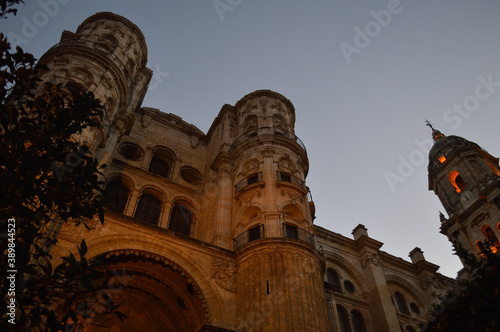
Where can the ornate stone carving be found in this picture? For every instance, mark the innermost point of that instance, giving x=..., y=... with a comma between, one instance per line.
x=429, y=281
x=371, y=259
x=248, y=109
x=224, y=274
x=293, y=195
x=249, y=197
x=263, y=104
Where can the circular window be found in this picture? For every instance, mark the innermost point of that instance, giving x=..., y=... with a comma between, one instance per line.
x=191, y=175
x=130, y=151
x=349, y=286
x=415, y=308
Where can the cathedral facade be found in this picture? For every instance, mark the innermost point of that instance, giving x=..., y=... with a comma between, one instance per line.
x=215, y=231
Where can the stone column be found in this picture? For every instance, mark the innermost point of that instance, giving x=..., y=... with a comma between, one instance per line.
x=223, y=216
x=382, y=309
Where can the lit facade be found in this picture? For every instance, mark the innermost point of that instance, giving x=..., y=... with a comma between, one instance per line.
x=215, y=232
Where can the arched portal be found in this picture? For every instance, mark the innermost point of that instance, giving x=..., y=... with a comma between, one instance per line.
x=153, y=292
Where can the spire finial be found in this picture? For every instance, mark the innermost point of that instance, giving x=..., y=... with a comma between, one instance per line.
x=429, y=124
x=436, y=134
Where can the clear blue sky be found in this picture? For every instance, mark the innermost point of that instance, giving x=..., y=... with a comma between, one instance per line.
x=362, y=75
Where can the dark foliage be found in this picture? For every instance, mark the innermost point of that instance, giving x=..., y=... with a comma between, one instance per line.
x=475, y=306
x=46, y=180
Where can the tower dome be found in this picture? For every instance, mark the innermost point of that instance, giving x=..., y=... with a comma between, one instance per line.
x=446, y=146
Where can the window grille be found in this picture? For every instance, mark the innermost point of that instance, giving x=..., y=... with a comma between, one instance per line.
x=343, y=319
x=180, y=220
x=159, y=166
x=358, y=322
x=401, y=302
x=116, y=196
x=148, y=209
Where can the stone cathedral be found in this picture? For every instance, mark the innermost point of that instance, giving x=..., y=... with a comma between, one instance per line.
x=215, y=231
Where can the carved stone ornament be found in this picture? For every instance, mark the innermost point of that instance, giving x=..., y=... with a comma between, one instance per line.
x=224, y=274
x=371, y=259
x=249, y=197
x=194, y=141
x=293, y=196
x=263, y=104
x=429, y=281
x=146, y=120
x=248, y=110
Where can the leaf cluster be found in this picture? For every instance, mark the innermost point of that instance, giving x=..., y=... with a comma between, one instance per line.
x=46, y=179
x=474, y=306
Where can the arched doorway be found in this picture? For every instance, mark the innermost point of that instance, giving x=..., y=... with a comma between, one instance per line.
x=153, y=292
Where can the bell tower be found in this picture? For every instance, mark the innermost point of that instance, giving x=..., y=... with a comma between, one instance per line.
x=466, y=179
x=107, y=55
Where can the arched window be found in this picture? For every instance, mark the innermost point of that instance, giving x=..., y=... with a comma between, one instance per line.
x=489, y=235
x=332, y=277
x=480, y=246
x=457, y=181
x=358, y=322
x=116, y=196
x=180, y=220
x=161, y=162
x=343, y=319
x=148, y=208
x=401, y=302
x=159, y=166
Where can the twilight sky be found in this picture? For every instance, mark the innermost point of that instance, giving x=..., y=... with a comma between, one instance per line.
x=361, y=74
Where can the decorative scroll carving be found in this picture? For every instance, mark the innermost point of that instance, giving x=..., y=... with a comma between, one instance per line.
x=224, y=273
x=249, y=197
x=371, y=259
x=293, y=195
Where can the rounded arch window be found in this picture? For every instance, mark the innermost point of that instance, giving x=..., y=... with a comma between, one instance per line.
x=343, y=319
x=181, y=219
x=131, y=151
x=480, y=246
x=161, y=162
x=148, y=208
x=332, y=277
x=116, y=196
x=489, y=235
x=191, y=175
x=401, y=303
x=358, y=322
x=457, y=181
